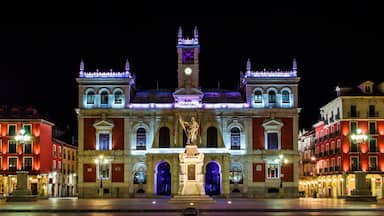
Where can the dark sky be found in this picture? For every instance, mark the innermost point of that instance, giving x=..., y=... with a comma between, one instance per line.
x=40, y=49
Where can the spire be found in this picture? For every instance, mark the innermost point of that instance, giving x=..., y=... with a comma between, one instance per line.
x=127, y=66
x=81, y=65
x=248, y=65
x=294, y=64
x=180, y=33
x=196, y=33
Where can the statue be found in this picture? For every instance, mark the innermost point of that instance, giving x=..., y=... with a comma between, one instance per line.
x=191, y=129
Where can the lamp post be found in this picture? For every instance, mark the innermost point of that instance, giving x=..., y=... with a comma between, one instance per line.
x=99, y=161
x=281, y=160
x=22, y=193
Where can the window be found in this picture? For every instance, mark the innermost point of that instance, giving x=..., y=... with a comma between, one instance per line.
x=11, y=130
x=272, y=171
x=188, y=56
x=54, y=150
x=372, y=112
x=53, y=164
x=327, y=148
x=104, y=139
x=285, y=96
x=27, y=147
x=333, y=146
x=272, y=141
x=12, y=164
x=164, y=139
x=372, y=128
x=65, y=154
x=27, y=129
x=140, y=139
x=355, y=164
x=258, y=96
x=372, y=145
x=59, y=151
x=59, y=165
x=338, y=146
x=212, y=137
x=104, y=170
x=28, y=163
x=1, y=149
x=104, y=97
x=235, y=138
x=118, y=97
x=353, y=112
x=236, y=174
x=368, y=89
x=271, y=97
x=338, y=163
x=372, y=163
x=11, y=146
x=139, y=176
x=353, y=127
x=333, y=164
x=90, y=97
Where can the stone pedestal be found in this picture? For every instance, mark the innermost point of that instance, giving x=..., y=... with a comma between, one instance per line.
x=21, y=194
x=361, y=193
x=191, y=185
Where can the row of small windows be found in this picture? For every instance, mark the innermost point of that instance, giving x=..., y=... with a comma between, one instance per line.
x=104, y=97
x=285, y=96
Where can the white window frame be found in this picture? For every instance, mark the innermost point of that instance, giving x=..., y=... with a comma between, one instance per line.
x=8, y=126
x=98, y=139
x=350, y=162
x=31, y=147
x=369, y=144
x=272, y=126
x=109, y=164
x=54, y=152
x=24, y=161
x=369, y=162
x=17, y=161
x=278, y=170
x=54, y=164
x=11, y=140
x=101, y=128
x=338, y=144
x=30, y=125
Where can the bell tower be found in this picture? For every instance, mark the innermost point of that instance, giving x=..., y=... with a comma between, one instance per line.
x=188, y=60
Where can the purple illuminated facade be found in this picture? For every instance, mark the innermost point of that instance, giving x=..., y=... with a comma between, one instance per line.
x=145, y=139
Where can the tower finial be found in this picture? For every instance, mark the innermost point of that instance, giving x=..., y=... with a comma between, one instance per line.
x=248, y=65
x=127, y=67
x=81, y=65
x=196, y=33
x=180, y=33
x=294, y=64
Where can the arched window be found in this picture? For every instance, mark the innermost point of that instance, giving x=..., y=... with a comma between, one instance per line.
x=140, y=139
x=104, y=97
x=164, y=140
x=272, y=97
x=90, y=97
x=236, y=174
x=235, y=138
x=258, y=96
x=285, y=96
x=118, y=97
x=212, y=137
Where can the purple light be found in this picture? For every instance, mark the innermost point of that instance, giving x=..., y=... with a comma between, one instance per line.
x=189, y=105
x=277, y=73
x=98, y=74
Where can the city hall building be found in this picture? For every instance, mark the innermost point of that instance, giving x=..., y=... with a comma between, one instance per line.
x=130, y=139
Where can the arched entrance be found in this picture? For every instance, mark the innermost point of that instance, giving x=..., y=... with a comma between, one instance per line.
x=163, y=179
x=212, y=179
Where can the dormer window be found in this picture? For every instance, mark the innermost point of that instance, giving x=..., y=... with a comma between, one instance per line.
x=368, y=89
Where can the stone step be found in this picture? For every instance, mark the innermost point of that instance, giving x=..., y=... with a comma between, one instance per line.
x=192, y=199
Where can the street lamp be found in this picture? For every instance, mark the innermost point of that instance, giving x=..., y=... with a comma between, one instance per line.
x=22, y=138
x=99, y=161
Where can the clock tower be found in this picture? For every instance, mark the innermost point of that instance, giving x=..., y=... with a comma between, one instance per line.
x=188, y=60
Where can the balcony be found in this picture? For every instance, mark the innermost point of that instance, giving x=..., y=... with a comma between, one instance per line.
x=337, y=168
x=355, y=168
x=353, y=114
x=373, y=149
x=373, y=168
x=373, y=114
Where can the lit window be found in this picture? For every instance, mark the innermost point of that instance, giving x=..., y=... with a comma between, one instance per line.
x=118, y=97
x=236, y=174
x=272, y=171
x=258, y=96
x=139, y=176
x=104, y=97
x=235, y=138
x=285, y=96
x=272, y=141
x=28, y=147
x=27, y=129
x=103, y=141
x=91, y=97
x=11, y=130
x=140, y=139
x=28, y=163
x=12, y=164
x=271, y=97
x=104, y=170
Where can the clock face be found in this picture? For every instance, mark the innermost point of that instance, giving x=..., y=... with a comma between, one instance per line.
x=188, y=71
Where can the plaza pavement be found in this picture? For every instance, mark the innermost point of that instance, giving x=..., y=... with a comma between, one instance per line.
x=162, y=206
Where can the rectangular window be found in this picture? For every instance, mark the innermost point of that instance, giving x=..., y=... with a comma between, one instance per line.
x=338, y=164
x=27, y=129
x=353, y=128
x=12, y=164
x=355, y=164
x=27, y=164
x=59, y=151
x=333, y=164
x=272, y=141
x=53, y=164
x=372, y=112
x=11, y=130
x=372, y=145
x=54, y=150
x=372, y=128
x=11, y=146
x=28, y=147
x=273, y=171
x=59, y=165
x=104, y=141
x=372, y=163
x=104, y=170
x=353, y=112
x=1, y=146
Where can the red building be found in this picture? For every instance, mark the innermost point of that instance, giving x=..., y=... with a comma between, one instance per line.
x=357, y=112
x=34, y=154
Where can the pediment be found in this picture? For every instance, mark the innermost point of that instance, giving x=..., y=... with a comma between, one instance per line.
x=272, y=124
x=103, y=124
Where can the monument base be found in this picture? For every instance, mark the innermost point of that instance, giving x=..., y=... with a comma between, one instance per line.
x=21, y=194
x=361, y=193
x=187, y=199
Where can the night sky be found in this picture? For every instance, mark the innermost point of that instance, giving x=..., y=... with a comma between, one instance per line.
x=40, y=49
